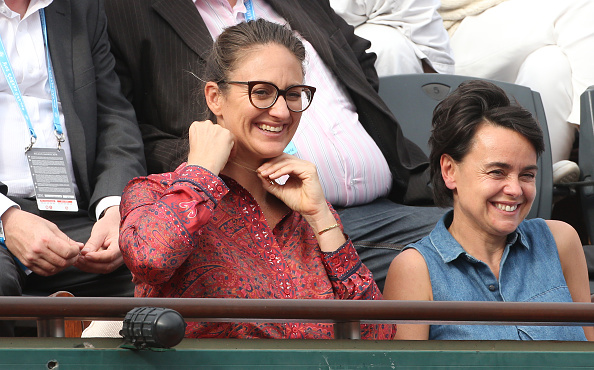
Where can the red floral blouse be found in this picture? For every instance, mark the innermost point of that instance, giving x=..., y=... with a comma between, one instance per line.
x=189, y=234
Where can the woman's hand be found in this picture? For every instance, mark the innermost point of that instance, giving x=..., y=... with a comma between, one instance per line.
x=210, y=145
x=302, y=192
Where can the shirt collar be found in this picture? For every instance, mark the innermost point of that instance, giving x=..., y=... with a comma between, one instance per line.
x=34, y=6
x=239, y=7
x=449, y=249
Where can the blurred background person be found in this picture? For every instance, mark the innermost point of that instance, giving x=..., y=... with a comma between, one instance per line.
x=546, y=45
x=407, y=35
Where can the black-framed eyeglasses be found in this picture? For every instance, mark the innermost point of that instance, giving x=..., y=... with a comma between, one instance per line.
x=264, y=94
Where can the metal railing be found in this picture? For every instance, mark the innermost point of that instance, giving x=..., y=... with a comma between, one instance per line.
x=347, y=315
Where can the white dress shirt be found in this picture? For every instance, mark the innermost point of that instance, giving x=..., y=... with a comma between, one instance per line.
x=417, y=20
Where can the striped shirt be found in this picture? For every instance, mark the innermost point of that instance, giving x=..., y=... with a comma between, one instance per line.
x=351, y=167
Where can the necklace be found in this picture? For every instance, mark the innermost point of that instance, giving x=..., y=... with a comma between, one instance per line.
x=243, y=166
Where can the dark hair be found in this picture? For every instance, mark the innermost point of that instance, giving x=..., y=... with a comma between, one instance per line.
x=236, y=42
x=457, y=117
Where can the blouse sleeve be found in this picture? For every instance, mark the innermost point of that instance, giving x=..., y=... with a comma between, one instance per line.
x=162, y=216
x=350, y=278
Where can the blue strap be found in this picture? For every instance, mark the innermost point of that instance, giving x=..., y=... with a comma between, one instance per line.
x=14, y=87
x=52, y=82
x=250, y=15
x=16, y=91
x=18, y=262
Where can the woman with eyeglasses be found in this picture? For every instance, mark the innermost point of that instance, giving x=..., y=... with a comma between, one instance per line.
x=241, y=218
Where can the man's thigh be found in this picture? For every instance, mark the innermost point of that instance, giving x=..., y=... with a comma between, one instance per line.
x=384, y=221
x=379, y=230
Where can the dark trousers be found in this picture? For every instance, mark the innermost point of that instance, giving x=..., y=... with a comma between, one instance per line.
x=14, y=282
x=380, y=229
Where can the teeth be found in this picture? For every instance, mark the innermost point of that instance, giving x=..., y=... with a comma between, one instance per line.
x=505, y=208
x=271, y=128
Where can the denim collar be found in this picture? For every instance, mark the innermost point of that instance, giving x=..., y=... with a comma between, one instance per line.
x=449, y=249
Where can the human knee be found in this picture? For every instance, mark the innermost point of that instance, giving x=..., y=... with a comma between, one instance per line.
x=11, y=281
x=548, y=67
x=395, y=52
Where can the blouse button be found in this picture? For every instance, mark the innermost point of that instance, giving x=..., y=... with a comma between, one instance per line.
x=492, y=287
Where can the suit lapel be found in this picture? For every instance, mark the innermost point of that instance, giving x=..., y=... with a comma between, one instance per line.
x=59, y=36
x=184, y=18
x=59, y=33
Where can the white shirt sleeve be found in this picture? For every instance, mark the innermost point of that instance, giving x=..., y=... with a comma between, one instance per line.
x=418, y=20
x=105, y=203
x=6, y=203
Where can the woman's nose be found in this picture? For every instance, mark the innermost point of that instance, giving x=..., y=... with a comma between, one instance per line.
x=513, y=187
x=280, y=108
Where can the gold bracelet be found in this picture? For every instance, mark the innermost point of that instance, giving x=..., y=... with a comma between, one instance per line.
x=328, y=229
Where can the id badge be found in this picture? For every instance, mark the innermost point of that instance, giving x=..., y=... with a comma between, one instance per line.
x=53, y=186
x=291, y=148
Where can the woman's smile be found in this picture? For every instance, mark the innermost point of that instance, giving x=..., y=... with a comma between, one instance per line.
x=268, y=128
x=506, y=207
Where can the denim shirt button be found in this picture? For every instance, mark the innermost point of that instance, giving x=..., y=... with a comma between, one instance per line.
x=492, y=288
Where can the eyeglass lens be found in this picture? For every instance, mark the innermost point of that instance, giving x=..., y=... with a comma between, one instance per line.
x=264, y=95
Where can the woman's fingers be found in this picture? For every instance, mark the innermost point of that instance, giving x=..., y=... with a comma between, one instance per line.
x=210, y=145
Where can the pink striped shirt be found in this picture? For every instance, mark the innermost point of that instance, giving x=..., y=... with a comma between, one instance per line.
x=350, y=165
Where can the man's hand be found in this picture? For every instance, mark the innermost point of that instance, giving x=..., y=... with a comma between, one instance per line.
x=38, y=243
x=101, y=254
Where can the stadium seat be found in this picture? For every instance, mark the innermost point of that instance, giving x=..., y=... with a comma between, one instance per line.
x=586, y=159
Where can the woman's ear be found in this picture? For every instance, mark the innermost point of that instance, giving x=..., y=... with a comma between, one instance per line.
x=213, y=97
x=448, y=171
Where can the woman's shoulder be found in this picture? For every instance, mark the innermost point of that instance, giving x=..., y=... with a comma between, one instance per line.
x=558, y=229
x=408, y=277
x=566, y=237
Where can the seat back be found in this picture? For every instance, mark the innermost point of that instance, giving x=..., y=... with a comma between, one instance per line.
x=412, y=98
x=586, y=159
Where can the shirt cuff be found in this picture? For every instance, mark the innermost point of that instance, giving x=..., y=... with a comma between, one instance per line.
x=105, y=203
x=6, y=203
x=343, y=262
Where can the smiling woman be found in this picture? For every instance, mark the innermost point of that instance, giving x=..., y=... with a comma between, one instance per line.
x=484, y=151
x=220, y=225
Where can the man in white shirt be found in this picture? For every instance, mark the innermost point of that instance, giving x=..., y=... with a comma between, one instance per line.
x=408, y=36
x=70, y=108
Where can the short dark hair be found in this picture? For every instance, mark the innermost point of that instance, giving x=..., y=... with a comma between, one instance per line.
x=457, y=117
x=237, y=41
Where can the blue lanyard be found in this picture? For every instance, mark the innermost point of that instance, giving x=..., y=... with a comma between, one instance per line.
x=250, y=15
x=16, y=92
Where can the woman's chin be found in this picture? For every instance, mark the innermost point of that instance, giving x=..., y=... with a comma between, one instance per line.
x=271, y=151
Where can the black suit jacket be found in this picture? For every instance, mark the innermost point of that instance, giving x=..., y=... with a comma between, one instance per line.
x=160, y=47
x=106, y=144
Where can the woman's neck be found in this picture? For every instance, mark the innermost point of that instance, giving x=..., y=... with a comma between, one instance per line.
x=481, y=246
x=247, y=176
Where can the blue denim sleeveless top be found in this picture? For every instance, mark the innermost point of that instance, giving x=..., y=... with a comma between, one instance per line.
x=530, y=271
